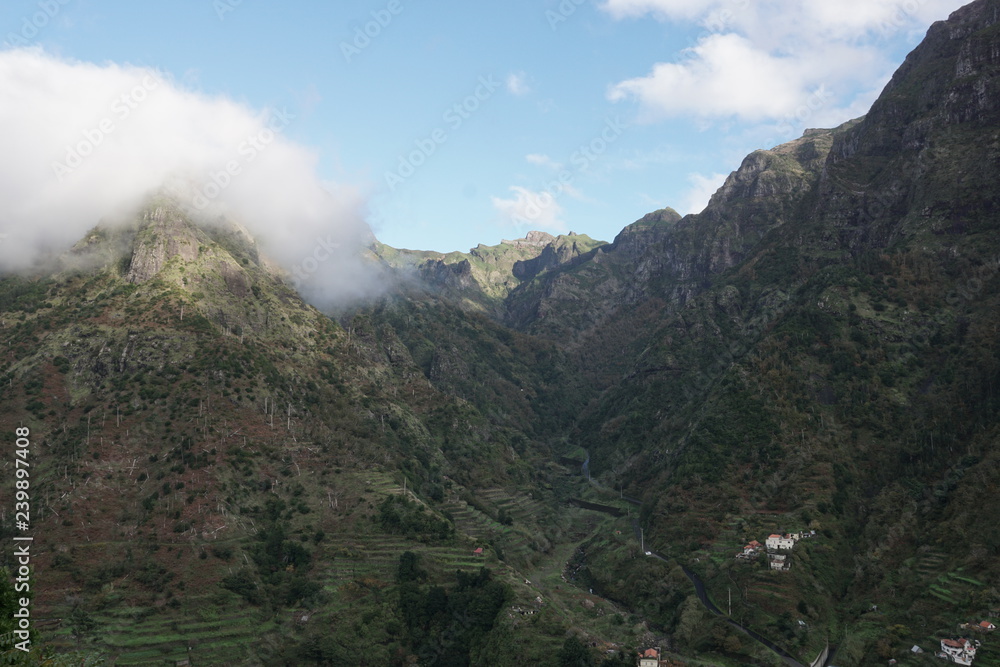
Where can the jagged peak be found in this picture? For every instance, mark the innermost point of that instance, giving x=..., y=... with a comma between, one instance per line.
x=532, y=238
x=663, y=216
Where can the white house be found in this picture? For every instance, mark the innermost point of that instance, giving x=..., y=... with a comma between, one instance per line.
x=649, y=658
x=778, y=562
x=986, y=626
x=780, y=542
x=960, y=651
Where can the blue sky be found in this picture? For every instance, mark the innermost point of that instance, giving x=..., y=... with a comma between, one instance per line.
x=464, y=123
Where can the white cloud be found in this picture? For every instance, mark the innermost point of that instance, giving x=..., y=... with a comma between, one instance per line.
x=517, y=84
x=762, y=60
x=531, y=209
x=845, y=16
x=83, y=142
x=702, y=189
x=850, y=18
x=724, y=75
x=674, y=9
x=542, y=160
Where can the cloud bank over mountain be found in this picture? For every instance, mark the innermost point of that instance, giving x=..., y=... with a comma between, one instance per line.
x=85, y=143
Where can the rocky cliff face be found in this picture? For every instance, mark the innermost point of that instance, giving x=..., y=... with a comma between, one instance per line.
x=672, y=259
x=815, y=318
x=165, y=234
x=923, y=160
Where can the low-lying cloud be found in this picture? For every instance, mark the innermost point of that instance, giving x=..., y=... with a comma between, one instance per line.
x=84, y=143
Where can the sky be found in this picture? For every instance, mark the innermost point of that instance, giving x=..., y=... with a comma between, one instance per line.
x=441, y=125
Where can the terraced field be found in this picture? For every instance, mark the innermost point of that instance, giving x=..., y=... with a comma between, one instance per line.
x=376, y=556
x=144, y=636
x=521, y=508
x=952, y=587
x=515, y=540
x=223, y=630
x=989, y=654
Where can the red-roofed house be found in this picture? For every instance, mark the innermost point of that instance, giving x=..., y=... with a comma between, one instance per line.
x=478, y=551
x=649, y=658
x=987, y=626
x=960, y=651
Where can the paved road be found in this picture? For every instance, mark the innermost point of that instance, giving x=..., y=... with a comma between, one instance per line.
x=699, y=589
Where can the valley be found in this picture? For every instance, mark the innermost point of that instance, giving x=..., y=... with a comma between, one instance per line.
x=470, y=467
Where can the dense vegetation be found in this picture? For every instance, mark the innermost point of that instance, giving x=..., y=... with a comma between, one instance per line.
x=225, y=474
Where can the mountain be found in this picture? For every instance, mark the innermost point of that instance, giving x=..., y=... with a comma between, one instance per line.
x=203, y=439
x=815, y=350
x=483, y=277
x=221, y=472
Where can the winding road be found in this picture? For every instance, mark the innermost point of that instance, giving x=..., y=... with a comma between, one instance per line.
x=700, y=591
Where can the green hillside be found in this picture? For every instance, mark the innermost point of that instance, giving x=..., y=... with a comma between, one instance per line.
x=468, y=469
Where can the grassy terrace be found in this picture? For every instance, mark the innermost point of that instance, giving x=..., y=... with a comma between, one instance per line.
x=211, y=634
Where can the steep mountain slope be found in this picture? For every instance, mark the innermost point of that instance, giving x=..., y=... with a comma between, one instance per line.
x=834, y=364
x=204, y=440
x=817, y=349
x=482, y=278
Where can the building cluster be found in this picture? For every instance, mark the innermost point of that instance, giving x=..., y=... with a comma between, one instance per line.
x=981, y=626
x=961, y=651
x=750, y=551
x=774, y=546
x=520, y=611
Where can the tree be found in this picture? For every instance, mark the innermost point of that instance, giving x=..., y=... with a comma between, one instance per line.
x=692, y=621
x=81, y=623
x=574, y=653
x=409, y=568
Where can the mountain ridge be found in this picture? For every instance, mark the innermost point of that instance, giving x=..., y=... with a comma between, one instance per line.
x=815, y=351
